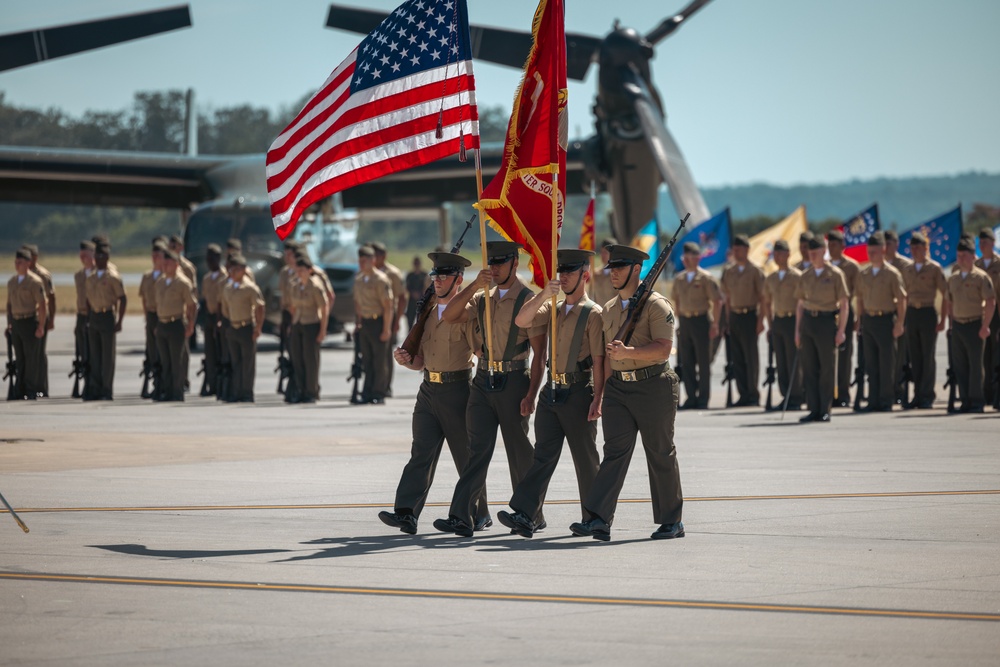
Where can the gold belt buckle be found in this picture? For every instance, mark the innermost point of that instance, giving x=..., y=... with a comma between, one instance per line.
x=628, y=376
x=495, y=366
x=559, y=378
x=434, y=377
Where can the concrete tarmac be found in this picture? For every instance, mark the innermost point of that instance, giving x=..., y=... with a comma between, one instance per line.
x=204, y=533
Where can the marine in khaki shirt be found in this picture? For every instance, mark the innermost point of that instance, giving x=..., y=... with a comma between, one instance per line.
x=242, y=299
x=969, y=291
x=173, y=296
x=501, y=305
x=80, y=282
x=308, y=301
x=989, y=262
x=213, y=284
x=372, y=295
x=923, y=282
x=695, y=293
x=880, y=290
x=656, y=322
x=822, y=291
x=104, y=290
x=743, y=286
x=26, y=297
x=780, y=290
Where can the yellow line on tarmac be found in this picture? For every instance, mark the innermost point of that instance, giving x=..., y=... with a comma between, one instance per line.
x=345, y=506
x=513, y=597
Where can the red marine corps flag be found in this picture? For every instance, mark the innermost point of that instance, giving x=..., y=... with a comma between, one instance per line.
x=404, y=97
x=518, y=201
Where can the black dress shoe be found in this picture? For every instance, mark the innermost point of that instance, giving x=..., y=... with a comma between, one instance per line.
x=518, y=522
x=669, y=531
x=595, y=528
x=541, y=526
x=825, y=417
x=453, y=525
x=405, y=522
x=841, y=404
x=482, y=523
x=811, y=417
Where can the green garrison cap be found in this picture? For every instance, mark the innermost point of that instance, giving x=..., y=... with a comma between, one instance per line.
x=499, y=252
x=238, y=260
x=987, y=233
x=23, y=253
x=967, y=245
x=806, y=236
x=624, y=255
x=169, y=254
x=692, y=248
x=781, y=244
x=87, y=245
x=572, y=259
x=32, y=248
x=876, y=239
x=816, y=243
x=234, y=244
x=366, y=251
x=378, y=247
x=159, y=245
x=176, y=239
x=918, y=238
x=303, y=260
x=741, y=240
x=891, y=235
x=448, y=263
x=835, y=235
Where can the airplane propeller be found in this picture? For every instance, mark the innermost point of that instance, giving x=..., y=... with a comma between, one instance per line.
x=33, y=46
x=632, y=153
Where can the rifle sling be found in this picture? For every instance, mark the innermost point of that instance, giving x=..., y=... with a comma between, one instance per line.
x=578, y=331
x=512, y=349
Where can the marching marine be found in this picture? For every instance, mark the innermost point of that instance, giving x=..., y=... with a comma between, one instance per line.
x=503, y=392
x=445, y=356
x=640, y=398
x=569, y=405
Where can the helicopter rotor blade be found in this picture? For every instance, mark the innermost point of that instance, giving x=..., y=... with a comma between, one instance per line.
x=662, y=31
x=33, y=46
x=495, y=45
x=667, y=155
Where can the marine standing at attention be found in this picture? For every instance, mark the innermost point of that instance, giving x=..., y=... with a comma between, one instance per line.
x=742, y=286
x=310, y=309
x=899, y=262
x=244, y=306
x=640, y=398
x=502, y=395
x=845, y=352
x=147, y=294
x=373, y=315
x=820, y=326
x=216, y=278
x=990, y=263
x=780, y=302
x=444, y=354
x=50, y=296
x=568, y=411
x=26, y=315
x=698, y=303
x=106, y=303
x=176, y=308
x=881, y=309
x=398, y=281
x=923, y=279
x=971, y=303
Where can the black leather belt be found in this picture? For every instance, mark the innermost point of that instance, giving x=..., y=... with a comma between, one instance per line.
x=447, y=377
x=822, y=313
x=640, y=374
x=25, y=317
x=914, y=307
x=503, y=366
x=783, y=316
x=371, y=317
x=968, y=320
x=878, y=313
x=240, y=324
x=168, y=320
x=742, y=311
x=692, y=314
x=568, y=379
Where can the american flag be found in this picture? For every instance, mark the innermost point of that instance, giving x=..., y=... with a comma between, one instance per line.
x=404, y=97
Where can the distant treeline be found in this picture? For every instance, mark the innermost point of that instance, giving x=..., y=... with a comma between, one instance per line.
x=155, y=122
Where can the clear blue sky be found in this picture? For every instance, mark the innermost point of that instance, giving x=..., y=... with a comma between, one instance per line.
x=778, y=91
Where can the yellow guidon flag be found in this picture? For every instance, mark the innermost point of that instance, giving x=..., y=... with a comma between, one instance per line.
x=789, y=229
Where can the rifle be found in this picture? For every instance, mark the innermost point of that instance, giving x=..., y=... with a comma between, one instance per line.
x=10, y=372
x=771, y=371
x=412, y=342
x=730, y=368
x=146, y=374
x=859, y=376
x=81, y=364
x=996, y=387
x=638, y=300
x=357, y=368
x=204, y=375
x=907, y=379
x=284, y=366
x=952, y=383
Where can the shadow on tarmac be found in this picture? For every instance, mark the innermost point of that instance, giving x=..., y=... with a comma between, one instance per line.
x=141, y=550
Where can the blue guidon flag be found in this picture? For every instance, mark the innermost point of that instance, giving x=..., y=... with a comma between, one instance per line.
x=943, y=234
x=714, y=236
x=857, y=230
x=404, y=97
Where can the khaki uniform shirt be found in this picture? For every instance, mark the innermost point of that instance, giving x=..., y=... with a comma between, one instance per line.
x=600, y=289
x=241, y=300
x=922, y=286
x=880, y=292
x=592, y=344
x=695, y=296
x=502, y=314
x=212, y=285
x=743, y=289
x=173, y=295
x=802, y=265
x=900, y=262
x=324, y=279
x=104, y=289
x=26, y=297
x=782, y=291
x=286, y=279
x=655, y=322
x=80, y=280
x=186, y=267
x=851, y=270
x=308, y=301
x=147, y=289
x=993, y=271
x=370, y=292
x=446, y=347
x=46, y=277
x=398, y=281
x=968, y=294
x=822, y=292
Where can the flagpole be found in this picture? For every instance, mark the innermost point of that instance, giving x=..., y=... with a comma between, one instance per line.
x=486, y=264
x=594, y=222
x=552, y=272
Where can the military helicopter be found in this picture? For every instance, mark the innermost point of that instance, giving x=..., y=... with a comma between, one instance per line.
x=631, y=154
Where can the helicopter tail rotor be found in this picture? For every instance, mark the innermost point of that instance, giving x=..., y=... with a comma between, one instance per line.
x=662, y=31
